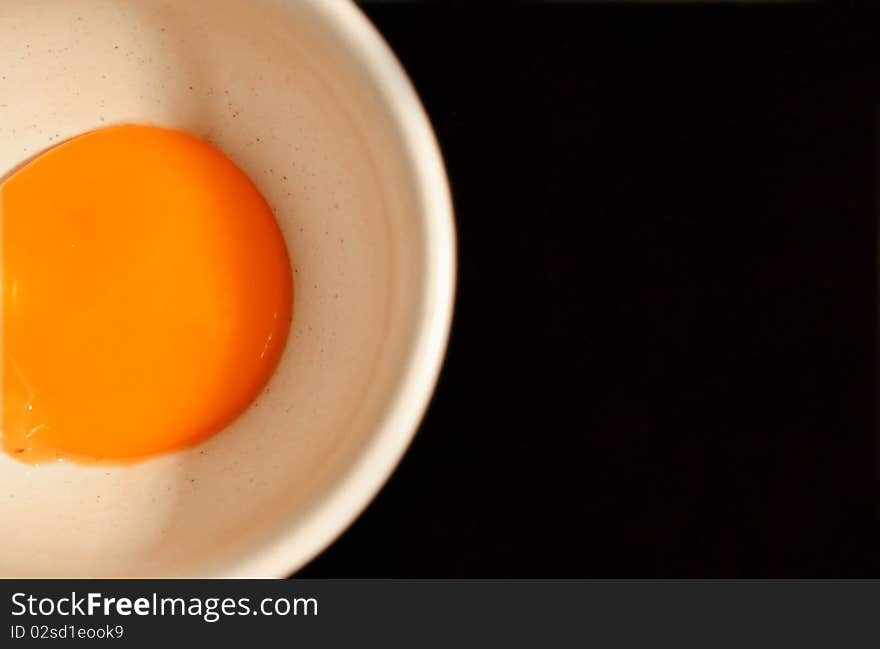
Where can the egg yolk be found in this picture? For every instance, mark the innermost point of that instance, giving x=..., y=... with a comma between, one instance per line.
x=147, y=295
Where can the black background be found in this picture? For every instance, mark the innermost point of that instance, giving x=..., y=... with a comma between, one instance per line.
x=662, y=361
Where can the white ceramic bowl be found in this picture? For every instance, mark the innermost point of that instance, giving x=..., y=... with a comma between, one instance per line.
x=305, y=96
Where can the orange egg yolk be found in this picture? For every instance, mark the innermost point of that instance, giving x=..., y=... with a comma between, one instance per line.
x=147, y=295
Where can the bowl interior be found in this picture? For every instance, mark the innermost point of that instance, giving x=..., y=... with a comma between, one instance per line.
x=279, y=88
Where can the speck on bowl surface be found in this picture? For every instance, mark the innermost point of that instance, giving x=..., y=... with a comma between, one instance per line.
x=307, y=99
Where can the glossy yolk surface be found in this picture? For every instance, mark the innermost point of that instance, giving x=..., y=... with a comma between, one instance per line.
x=146, y=296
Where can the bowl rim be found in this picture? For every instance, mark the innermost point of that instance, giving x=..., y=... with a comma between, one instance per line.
x=301, y=540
